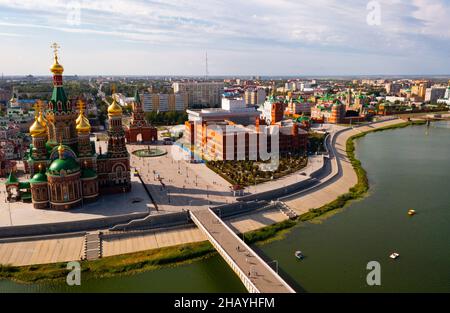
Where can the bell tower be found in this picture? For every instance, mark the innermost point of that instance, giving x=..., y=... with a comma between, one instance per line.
x=60, y=112
x=116, y=134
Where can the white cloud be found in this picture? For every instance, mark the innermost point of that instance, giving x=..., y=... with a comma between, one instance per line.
x=409, y=28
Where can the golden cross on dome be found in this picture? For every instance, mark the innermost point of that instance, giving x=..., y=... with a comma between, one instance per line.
x=81, y=105
x=55, y=48
x=40, y=105
x=37, y=108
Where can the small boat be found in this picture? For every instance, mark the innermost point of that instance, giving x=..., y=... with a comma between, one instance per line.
x=411, y=212
x=299, y=255
x=394, y=255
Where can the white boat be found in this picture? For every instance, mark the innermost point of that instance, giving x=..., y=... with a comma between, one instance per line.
x=299, y=255
x=394, y=255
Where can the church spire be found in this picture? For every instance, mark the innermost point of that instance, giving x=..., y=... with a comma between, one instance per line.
x=58, y=101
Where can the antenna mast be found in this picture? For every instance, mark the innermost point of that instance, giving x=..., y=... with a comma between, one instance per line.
x=206, y=69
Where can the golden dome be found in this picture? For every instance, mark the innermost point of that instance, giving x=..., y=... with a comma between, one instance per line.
x=79, y=118
x=37, y=129
x=83, y=126
x=114, y=108
x=82, y=121
x=57, y=68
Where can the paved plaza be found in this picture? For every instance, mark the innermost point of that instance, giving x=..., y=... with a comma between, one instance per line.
x=178, y=185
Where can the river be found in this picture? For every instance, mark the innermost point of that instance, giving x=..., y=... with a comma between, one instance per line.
x=408, y=168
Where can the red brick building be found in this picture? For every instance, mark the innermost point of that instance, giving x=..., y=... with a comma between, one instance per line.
x=138, y=125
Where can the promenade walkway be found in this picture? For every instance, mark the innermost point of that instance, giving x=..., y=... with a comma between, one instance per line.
x=256, y=275
x=42, y=251
x=64, y=249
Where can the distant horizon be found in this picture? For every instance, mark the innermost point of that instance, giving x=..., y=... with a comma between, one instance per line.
x=248, y=76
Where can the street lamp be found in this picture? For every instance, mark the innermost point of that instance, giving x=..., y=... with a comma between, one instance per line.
x=276, y=264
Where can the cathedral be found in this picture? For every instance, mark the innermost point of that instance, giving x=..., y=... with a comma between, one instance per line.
x=64, y=167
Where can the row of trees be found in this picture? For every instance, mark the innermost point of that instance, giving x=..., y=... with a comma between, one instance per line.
x=166, y=118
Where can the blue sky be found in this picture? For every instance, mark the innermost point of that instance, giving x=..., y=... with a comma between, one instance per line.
x=245, y=37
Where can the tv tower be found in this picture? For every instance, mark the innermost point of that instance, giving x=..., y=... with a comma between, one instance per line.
x=206, y=66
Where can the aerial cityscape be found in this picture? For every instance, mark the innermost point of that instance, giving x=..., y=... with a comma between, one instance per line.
x=248, y=174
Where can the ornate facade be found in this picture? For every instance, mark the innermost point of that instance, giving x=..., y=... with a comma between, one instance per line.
x=139, y=125
x=64, y=168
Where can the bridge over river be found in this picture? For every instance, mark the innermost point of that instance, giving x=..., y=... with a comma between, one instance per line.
x=256, y=275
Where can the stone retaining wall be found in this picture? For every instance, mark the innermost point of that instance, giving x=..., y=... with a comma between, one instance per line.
x=67, y=227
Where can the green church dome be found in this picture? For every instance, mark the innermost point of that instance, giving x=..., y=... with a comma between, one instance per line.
x=12, y=179
x=38, y=178
x=68, y=164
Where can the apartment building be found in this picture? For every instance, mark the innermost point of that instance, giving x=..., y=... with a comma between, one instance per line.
x=201, y=94
x=155, y=102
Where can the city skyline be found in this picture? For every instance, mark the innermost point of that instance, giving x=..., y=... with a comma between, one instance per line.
x=279, y=38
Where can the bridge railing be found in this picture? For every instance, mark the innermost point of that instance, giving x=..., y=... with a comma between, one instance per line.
x=242, y=276
x=270, y=269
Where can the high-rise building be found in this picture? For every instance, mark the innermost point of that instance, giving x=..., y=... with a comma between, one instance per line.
x=201, y=94
x=419, y=88
x=392, y=88
x=434, y=93
x=255, y=96
x=154, y=102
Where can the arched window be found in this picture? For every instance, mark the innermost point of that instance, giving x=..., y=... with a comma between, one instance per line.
x=119, y=171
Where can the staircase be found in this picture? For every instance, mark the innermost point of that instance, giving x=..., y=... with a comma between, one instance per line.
x=92, y=246
x=287, y=210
